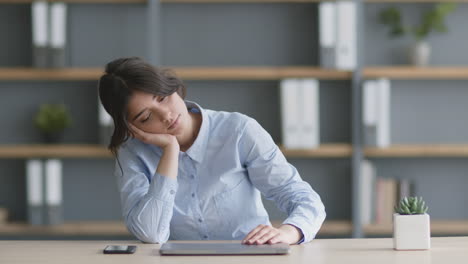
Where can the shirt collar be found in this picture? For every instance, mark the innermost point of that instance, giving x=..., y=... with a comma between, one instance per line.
x=197, y=151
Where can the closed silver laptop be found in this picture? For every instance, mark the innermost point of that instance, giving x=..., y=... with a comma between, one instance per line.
x=201, y=248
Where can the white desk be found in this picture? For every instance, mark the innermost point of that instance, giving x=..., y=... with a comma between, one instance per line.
x=447, y=250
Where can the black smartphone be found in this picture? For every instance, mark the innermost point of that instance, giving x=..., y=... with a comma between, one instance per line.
x=119, y=249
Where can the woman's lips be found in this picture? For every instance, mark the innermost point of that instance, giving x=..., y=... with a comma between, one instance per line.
x=175, y=123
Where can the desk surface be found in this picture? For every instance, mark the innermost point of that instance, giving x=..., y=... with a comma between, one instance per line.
x=444, y=250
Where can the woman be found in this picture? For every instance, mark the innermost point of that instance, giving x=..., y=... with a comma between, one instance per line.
x=188, y=173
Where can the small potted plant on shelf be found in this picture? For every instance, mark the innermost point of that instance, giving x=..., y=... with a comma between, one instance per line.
x=411, y=225
x=51, y=120
x=432, y=20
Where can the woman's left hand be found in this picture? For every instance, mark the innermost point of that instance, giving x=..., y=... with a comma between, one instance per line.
x=264, y=234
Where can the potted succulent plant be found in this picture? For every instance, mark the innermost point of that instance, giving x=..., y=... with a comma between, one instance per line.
x=432, y=20
x=51, y=120
x=411, y=225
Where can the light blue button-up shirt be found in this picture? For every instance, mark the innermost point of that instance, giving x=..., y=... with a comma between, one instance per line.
x=216, y=195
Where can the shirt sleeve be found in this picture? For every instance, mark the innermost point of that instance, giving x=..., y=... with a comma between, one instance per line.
x=147, y=205
x=278, y=180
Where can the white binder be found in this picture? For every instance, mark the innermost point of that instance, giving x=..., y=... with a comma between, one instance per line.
x=290, y=112
x=327, y=34
x=310, y=121
x=34, y=191
x=346, y=35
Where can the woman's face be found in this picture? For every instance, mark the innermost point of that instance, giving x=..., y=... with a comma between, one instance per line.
x=158, y=114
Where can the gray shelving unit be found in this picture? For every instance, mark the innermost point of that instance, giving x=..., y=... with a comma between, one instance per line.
x=232, y=34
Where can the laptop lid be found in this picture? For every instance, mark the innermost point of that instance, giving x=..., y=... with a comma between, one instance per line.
x=195, y=248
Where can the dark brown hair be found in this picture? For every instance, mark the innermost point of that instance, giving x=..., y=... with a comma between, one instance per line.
x=121, y=78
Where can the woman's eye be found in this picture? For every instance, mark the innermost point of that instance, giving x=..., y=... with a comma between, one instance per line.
x=146, y=119
x=162, y=98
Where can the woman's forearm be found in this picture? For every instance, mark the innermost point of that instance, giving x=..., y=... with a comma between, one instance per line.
x=169, y=162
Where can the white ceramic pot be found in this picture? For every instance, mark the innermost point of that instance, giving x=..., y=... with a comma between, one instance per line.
x=411, y=232
x=420, y=53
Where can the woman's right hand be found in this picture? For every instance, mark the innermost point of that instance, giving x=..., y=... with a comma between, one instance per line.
x=161, y=140
x=169, y=163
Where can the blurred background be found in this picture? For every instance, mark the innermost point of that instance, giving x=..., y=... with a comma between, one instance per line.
x=387, y=106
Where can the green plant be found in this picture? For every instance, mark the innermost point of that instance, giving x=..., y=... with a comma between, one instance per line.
x=432, y=20
x=52, y=118
x=411, y=205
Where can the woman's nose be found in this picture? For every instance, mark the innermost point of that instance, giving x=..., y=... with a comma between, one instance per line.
x=165, y=115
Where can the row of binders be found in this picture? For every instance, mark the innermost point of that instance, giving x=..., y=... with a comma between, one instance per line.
x=44, y=191
x=49, y=27
x=337, y=34
x=300, y=113
x=380, y=195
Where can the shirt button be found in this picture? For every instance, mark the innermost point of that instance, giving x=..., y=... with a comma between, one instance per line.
x=193, y=195
x=200, y=220
x=172, y=192
x=205, y=237
x=192, y=176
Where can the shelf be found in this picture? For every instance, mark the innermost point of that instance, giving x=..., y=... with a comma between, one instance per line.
x=418, y=151
x=105, y=228
x=117, y=228
x=238, y=1
x=54, y=151
x=97, y=151
x=337, y=228
x=243, y=73
x=415, y=73
x=438, y=227
x=162, y=1
x=186, y=73
x=329, y=227
x=78, y=1
x=66, y=74
x=415, y=1
x=219, y=1
x=324, y=151
x=258, y=73
x=303, y=1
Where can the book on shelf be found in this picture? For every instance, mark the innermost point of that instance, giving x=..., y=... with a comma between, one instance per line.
x=367, y=193
x=376, y=112
x=383, y=127
x=58, y=32
x=386, y=198
x=299, y=100
x=327, y=34
x=289, y=101
x=378, y=195
x=310, y=110
x=53, y=196
x=346, y=46
x=389, y=192
x=405, y=188
x=34, y=191
x=3, y=216
x=369, y=113
x=40, y=33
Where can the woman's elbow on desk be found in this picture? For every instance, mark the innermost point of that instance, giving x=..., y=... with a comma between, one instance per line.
x=148, y=234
